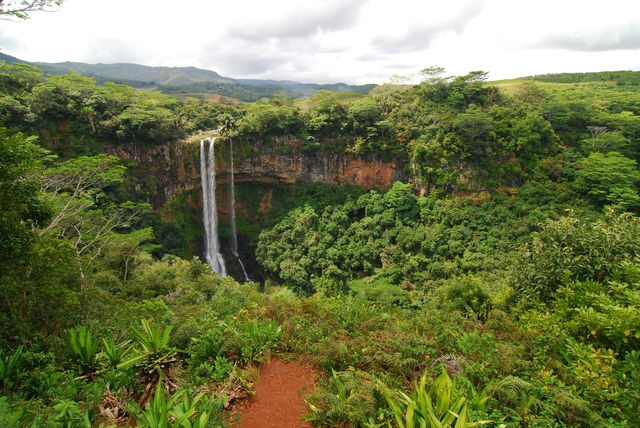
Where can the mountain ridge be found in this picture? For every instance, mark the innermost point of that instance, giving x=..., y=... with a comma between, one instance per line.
x=187, y=80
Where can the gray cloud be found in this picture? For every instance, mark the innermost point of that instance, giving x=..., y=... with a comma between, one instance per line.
x=604, y=39
x=241, y=58
x=303, y=21
x=399, y=65
x=250, y=64
x=284, y=43
x=9, y=42
x=110, y=50
x=419, y=37
x=371, y=57
x=317, y=45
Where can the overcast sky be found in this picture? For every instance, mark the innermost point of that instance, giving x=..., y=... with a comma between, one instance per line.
x=352, y=41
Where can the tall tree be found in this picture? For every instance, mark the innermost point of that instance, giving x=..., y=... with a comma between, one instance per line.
x=20, y=208
x=38, y=275
x=74, y=188
x=610, y=178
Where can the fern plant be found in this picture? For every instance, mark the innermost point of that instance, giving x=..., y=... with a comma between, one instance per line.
x=83, y=347
x=512, y=391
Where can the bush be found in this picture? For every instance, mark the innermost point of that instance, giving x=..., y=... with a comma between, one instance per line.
x=576, y=249
x=466, y=294
x=253, y=339
x=381, y=291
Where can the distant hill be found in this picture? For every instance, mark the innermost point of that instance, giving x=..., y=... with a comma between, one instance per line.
x=622, y=77
x=136, y=72
x=9, y=59
x=188, y=80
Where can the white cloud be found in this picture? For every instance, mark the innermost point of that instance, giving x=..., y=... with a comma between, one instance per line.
x=419, y=35
x=299, y=20
x=9, y=41
x=355, y=41
x=620, y=37
x=111, y=50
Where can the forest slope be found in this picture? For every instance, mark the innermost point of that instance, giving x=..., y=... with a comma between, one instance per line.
x=187, y=80
x=510, y=261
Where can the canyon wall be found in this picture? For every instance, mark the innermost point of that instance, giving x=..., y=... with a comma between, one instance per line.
x=166, y=170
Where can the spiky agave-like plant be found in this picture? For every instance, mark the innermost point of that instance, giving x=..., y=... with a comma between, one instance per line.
x=436, y=409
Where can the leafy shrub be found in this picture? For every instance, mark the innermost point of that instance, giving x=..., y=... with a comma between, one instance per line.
x=254, y=339
x=381, y=291
x=576, y=249
x=69, y=415
x=604, y=314
x=484, y=357
x=12, y=416
x=347, y=397
x=631, y=380
x=467, y=295
x=208, y=345
x=41, y=376
x=217, y=370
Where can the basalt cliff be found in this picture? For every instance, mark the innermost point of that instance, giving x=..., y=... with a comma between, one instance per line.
x=168, y=169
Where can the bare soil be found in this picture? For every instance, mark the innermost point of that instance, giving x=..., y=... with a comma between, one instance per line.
x=278, y=402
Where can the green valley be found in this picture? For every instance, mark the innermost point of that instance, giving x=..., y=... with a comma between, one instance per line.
x=456, y=252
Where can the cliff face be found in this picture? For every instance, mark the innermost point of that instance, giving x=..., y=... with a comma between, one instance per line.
x=317, y=168
x=169, y=169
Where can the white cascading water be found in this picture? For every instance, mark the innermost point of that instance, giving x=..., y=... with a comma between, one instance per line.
x=209, y=210
x=232, y=204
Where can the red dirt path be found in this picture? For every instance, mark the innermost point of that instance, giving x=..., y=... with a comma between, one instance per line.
x=278, y=400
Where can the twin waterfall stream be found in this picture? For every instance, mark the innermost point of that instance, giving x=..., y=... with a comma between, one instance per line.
x=213, y=256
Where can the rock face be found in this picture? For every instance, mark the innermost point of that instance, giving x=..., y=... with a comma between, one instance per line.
x=166, y=170
x=318, y=168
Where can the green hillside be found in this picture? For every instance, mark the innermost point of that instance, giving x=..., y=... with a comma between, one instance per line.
x=188, y=80
x=497, y=284
x=136, y=72
x=620, y=77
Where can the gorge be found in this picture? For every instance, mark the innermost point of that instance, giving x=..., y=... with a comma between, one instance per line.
x=174, y=167
x=232, y=211
x=192, y=167
x=388, y=238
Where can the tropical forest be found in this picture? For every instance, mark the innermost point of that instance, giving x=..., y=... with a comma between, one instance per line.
x=450, y=252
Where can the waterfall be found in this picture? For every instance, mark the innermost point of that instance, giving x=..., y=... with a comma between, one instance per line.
x=209, y=210
x=232, y=210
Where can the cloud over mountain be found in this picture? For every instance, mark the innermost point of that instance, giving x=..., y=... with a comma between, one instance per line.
x=607, y=38
x=355, y=41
